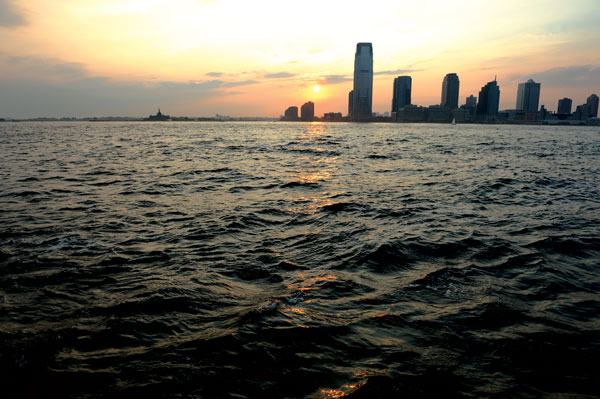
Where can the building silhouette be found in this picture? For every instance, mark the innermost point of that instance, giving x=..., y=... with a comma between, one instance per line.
x=411, y=113
x=467, y=111
x=580, y=113
x=159, y=117
x=450, y=87
x=291, y=114
x=471, y=101
x=361, y=96
x=528, y=96
x=402, y=92
x=307, y=111
x=489, y=99
x=437, y=113
x=564, y=106
x=592, y=106
x=332, y=117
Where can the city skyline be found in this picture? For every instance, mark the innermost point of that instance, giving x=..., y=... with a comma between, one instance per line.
x=86, y=58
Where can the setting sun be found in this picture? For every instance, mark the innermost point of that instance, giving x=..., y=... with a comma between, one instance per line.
x=316, y=89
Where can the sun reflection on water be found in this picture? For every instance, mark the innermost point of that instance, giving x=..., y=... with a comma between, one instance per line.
x=317, y=166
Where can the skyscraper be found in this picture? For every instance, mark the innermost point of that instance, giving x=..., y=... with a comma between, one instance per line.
x=307, y=111
x=402, y=91
x=528, y=96
x=592, y=106
x=489, y=99
x=564, y=106
x=450, y=88
x=291, y=114
x=362, y=96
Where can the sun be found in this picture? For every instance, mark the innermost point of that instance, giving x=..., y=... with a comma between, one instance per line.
x=316, y=89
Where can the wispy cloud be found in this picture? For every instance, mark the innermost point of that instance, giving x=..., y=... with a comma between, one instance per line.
x=10, y=15
x=396, y=72
x=278, y=75
x=335, y=79
x=208, y=84
x=214, y=74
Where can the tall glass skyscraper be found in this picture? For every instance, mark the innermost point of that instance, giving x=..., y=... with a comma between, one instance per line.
x=402, y=92
x=528, y=96
x=450, y=87
x=489, y=99
x=362, y=95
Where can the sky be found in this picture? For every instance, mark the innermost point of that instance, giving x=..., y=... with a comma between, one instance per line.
x=256, y=58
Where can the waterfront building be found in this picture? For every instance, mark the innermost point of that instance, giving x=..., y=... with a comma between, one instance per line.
x=291, y=114
x=528, y=96
x=460, y=115
x=564, y=106
x=489, y=99
x=470, y=108
x=450, y=87
x=362, y=93
x=592, y=106
x=438, y=114
x=350, y=102
x=544, y=114
x=307, y=111
x=580, y=113
x=332, y=117
x=410, y=113
x=471, y=101
x=160, y=117
x=401, y=95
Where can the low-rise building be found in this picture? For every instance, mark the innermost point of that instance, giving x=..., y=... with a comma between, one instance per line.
x=437, y=113
x=410, y=113
x=332, y=117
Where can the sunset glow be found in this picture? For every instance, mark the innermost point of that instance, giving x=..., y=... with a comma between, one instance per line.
x=201, y=57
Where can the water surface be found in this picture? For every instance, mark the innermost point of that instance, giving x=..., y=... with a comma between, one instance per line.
x=299, y=260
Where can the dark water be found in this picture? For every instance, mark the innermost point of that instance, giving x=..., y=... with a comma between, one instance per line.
x=279, y=260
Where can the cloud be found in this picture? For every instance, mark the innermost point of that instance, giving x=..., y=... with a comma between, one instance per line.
x=396, y=72
x=42, y=87
x=10, y=15
x=49, y=68
x=335, y=79
x=278, y=75
x=580, y=76
x=214, y=74
x=209, y=84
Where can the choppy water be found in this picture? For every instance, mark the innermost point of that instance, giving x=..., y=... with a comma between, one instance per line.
x=299, y=260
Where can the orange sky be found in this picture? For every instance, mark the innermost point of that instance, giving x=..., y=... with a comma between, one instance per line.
x=241, y=58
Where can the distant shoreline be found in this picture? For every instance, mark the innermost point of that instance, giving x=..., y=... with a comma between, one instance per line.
x=588, y=122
